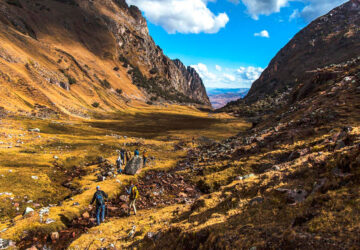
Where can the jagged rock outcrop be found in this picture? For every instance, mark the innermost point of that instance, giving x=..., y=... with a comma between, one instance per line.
x=196, y=88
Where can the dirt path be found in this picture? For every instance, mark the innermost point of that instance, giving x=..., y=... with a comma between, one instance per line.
x=157, y=189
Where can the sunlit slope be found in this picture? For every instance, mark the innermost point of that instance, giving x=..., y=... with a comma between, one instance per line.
x=36, y=72
x=83, y=57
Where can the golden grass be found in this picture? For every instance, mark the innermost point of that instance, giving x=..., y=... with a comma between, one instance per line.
x=76, y=142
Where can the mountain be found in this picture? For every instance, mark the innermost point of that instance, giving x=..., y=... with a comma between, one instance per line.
x=77, y=57
x=220, y=97
x=330, y=39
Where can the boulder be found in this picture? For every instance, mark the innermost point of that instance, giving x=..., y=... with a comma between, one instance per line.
x=32, y=248
x=86, y=215
x=256, y=200
x=101, y=178
x=124, y=198
x=28, y=210
x=4, y=243
x=340, y=145
x=112, y=209
x=54, y=236
x=245, y=177
x=36, y=130
x=182, y=195
x=135, y=164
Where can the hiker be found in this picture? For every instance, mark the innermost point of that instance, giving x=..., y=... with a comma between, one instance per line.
x=133, y=195
x=122, y=154
x=136, y=152
x=193, y=141
x=100, y=197
x=128, y=156
x=145, y=156
x=119, y=163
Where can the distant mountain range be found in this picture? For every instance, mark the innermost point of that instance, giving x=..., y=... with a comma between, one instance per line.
x=220, y=97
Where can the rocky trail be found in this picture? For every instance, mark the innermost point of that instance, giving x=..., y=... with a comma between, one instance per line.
x=156, y=188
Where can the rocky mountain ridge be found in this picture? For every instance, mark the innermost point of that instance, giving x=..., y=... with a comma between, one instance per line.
x=331, y=39
x=78, y=57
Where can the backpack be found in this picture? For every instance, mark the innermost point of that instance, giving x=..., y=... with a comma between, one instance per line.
x=134, y=193
x=118, y=162
x=99, y=198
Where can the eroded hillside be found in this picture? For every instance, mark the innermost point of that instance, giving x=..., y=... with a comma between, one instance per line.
x=82, y=57
x=331, y=39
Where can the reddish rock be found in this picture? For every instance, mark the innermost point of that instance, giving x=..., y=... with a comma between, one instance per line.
x=86, y=215
x=112, y=209
x=124, y=198
x=32, y=248
x=124, y=206
x=54, y=236
x=182, y=195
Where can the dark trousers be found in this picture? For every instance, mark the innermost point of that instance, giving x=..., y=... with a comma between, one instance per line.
x=100, y=214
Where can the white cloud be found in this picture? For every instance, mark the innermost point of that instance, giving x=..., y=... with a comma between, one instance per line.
x=294, y=15
x=312, y=9
x=263, y=7
x=231, y=78
x=249, y=73
x=203, y=71
x=263, y=33
x=182, y=16
x=241, y=77
x=218, y=68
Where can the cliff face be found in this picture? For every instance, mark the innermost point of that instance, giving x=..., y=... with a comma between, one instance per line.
x=330, y=39
x=95, y=51
x=193, y=83
x=137, y=46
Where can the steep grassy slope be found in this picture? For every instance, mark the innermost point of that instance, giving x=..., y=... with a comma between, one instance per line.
x=81, y=57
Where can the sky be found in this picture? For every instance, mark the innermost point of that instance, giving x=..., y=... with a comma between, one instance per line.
x=229, y=42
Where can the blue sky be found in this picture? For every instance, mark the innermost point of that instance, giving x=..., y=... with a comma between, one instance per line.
x=229, y=42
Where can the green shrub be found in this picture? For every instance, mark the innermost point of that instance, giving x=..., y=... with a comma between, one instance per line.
x=119, y=91
x=96, y=104
x=15, y=3
x=71, y=79
x=124, y=60
x=154, y=71
x=105, y=83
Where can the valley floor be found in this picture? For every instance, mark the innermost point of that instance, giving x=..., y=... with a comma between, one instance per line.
x=289, y=182
x=54, y=164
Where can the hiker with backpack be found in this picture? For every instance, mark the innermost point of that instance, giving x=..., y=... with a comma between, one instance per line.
x=119, y=163
x=122, y=155
x=133, y=195
x=145, y=156
x=136, y=152
x=99, y=197
x=128, y=156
